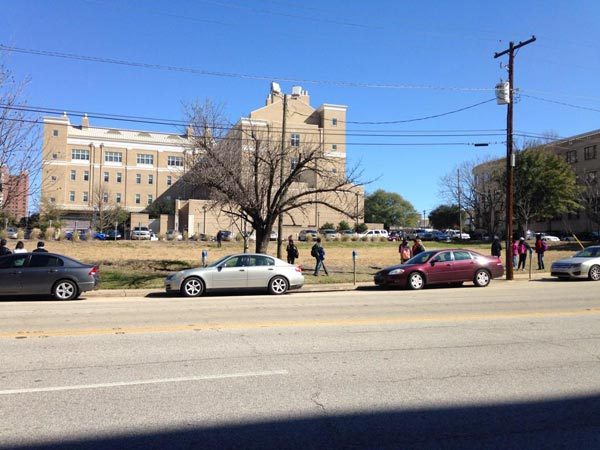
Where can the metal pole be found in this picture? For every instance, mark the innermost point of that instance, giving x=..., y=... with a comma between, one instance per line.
x=281, y=161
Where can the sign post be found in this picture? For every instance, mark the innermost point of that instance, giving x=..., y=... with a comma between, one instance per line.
x=354, y=256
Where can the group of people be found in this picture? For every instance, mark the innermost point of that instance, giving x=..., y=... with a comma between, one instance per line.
x=520, y=250
x=317, y=251
x=407, y=251
x=19, y=248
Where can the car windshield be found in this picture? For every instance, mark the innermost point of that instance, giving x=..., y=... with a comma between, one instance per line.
x=421, y=257
x=590, y=252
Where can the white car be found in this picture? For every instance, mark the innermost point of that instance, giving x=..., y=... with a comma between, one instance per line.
x=140, y=233
x=242, y=271
x=550, y=237
x=12, y=233
x=330, y=233
x=374, y=234
x=583, y=264
x=174, y=235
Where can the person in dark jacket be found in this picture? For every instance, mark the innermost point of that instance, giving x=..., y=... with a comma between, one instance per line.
x=4, y=250
x=40, y=248
x=417, y=247
x=496, y=247
x=318, y=252
x=524, y=248
x=292, y=251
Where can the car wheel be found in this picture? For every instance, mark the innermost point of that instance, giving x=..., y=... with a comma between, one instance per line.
x=192, y=287
x=416, y=280
x=482, y=278
x=278, y=286
x=594, y=273
x=65, y=290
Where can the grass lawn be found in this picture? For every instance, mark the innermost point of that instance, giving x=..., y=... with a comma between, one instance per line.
x=144, y=264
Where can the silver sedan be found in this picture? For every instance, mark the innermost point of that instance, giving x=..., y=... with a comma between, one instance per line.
x=583, y=264
x=237, y=272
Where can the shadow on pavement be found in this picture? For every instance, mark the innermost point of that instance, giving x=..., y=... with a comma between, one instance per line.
x=36, y=298
x=570, y=423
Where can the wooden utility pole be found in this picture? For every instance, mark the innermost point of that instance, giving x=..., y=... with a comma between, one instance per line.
x=281, y=163
x=460, y=224
x=510, y=156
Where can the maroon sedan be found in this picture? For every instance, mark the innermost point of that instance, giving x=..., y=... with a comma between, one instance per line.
x=442, y=267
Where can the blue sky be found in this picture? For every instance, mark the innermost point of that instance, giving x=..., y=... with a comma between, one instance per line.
x=438, y=56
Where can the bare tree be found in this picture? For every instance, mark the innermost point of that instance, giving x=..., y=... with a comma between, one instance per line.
x=249, y=174
x=105, y=210
x=19, y=140
x=590, y=198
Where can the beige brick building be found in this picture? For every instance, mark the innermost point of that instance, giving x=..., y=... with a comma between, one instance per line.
x=84, y=166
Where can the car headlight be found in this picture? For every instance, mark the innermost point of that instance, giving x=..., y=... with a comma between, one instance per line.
x=396, y=272
x=575, y=266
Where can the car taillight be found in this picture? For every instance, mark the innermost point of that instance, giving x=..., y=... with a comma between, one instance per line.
x=299, y=269
x=93, y=271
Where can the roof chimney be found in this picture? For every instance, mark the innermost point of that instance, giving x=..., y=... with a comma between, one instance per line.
x=85, y=121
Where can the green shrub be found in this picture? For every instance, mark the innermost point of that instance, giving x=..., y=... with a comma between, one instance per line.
x=354, y=238
x=345, y=238
x=364, y=239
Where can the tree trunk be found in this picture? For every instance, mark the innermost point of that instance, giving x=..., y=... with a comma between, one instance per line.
x=262, y=240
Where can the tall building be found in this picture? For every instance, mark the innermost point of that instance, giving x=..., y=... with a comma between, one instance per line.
x=14, y=193
x=579, y=151
x=307, y=128
x=85, y=167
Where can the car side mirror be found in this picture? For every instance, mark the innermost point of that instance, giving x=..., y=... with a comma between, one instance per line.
x=432, y=263
x=219, y=268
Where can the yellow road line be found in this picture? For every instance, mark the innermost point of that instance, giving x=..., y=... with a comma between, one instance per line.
x=381, y=320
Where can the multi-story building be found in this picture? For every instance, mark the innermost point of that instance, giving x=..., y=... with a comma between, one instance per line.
x=14, y=193
x=321, y=129
x=580, y=151
x=86, y=167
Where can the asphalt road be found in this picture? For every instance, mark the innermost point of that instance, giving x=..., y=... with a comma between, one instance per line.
x=515, y=365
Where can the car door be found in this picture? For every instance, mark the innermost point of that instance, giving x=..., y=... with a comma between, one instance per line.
x=11, y=271
x=440, y=268
x=232, y=274
x=260, y=270
x=464, y=265
x=42, y=271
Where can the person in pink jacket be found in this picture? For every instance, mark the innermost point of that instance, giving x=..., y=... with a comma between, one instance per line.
x=515, y=252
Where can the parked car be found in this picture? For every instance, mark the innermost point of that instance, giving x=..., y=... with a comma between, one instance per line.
x=330, y=233
x=98, y=235
x=347, y=233
x=174, y=235
x=140, y=233
x=550, y=237
x=227, y=235
x=153, y=236
x=583, y=264
x=113, y=235
x=374, y=234
x=46, y=273
x=82, y=234
x=303, y=234
x=452, y=267
x=273, y=236
x=237, y=272
x=440, y=236
x=395, y=236
x=12, y=233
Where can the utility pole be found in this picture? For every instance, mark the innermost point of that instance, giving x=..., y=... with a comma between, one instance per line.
x=281, y=161
x=459, y=209
x=510, y=156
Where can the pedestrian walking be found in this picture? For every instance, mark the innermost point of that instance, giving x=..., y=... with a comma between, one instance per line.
x=524, y=248
x=540, y=249
x=496, y=247
x=292, y=251
x=4, y=250
x=40, y=247
x=405, y=251
x=515, y=252
x=318, y=252
x=20, y=247
x=417, y=247
x=219, y=238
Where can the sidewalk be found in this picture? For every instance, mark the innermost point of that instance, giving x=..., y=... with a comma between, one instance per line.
x=333, y=287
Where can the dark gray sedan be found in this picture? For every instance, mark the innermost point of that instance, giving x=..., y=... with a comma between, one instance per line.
x=46, y=273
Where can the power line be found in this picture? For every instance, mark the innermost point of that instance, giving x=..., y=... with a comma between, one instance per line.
x=338, y=83
x=570, y=105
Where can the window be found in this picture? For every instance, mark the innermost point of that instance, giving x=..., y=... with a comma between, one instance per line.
x=334, y=122
x=86, y=175
x=461, y=256
x=106, y=177
x=52, y=199
x=119, y=177
x=13, y=261
x=118, y=198
x=145, y=159
x=571, y=156
x=55, y=133
x=334, y=170
x=236, y=261
x=169, y=180
x=333, y=146
x=260, y=261
x=105, y=197
x=54, y=178
x=175, y=161
x=138, y=199
x=295, y=140
x=150, y=179
x=71, y=196
x=73, y=175
x=293, y=163
x=441, y=257
x=113, y=157
x=85, y=197
x=54, y=155
x=150, y=199
x=138, y=178
x=589, y=152
x=80, y=155
x=41, y=260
